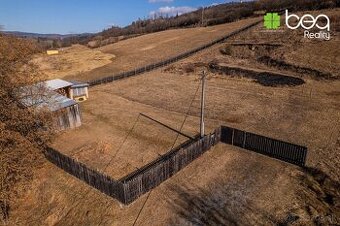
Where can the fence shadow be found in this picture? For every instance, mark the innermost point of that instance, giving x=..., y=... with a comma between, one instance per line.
x=205, y=207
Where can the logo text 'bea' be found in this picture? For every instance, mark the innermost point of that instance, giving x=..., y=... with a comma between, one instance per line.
x=307, y=21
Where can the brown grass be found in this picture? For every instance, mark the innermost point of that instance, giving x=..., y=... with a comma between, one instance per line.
x=284, y=113
x=71, y=61
x=225, y=185
x=296, y=50
x=151, y=48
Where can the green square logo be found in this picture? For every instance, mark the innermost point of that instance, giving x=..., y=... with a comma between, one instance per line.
x=272, y=21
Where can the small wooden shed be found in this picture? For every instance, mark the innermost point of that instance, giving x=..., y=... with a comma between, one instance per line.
x=60, y=86
x=67, y=111
x=80, y=91
x=54, y=96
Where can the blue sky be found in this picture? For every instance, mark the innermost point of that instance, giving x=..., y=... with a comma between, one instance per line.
x=78, y=16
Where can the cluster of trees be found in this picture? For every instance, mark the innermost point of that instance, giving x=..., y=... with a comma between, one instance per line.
x=207, y=16
x=23, y=131
x=296, y=5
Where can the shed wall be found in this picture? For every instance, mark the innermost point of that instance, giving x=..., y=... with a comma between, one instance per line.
x=69, y=117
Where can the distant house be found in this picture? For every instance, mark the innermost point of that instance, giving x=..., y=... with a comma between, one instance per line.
x=57, y=96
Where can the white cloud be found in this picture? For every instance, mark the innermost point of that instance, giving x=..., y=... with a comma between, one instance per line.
x=171, y=11
x=155, y=1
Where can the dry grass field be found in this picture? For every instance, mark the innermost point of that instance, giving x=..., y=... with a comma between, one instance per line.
x=225, y=186
x=248, y=186
x=151, y=48
x=71, y=61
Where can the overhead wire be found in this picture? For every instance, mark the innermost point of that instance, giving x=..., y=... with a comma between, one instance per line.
x=182, y=125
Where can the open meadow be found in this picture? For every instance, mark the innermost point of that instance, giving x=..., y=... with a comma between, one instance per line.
x=227, y=185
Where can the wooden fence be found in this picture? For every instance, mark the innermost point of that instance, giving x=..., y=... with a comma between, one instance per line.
x=153, y=174
x=281, y=150
x=92, y=177
x=166, y=62
x=140, y=181
x=135, y=184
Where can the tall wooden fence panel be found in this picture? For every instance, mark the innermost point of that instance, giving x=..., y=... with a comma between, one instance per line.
x=153, y=174
x=281, y=150
x=96, y=179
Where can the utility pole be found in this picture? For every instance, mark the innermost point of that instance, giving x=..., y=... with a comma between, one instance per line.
x=202, y=105
x=202, y=16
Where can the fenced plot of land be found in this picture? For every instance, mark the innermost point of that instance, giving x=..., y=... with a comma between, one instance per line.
x=135, y=184
x=241, y=103
x=107, y=121
x=151, y=175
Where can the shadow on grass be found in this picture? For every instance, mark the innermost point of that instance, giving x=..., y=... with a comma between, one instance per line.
x=223, y=201
x=262, y=77
x=322, y=193
x=218, y=207
x=5, y=208
x=234, y=202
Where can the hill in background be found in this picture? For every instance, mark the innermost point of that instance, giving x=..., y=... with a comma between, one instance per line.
x=207, y=16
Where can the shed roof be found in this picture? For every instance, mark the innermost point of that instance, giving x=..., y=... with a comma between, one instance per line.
x=58, y=102
x=57, y=84
x=76, y=84
x=39, y=96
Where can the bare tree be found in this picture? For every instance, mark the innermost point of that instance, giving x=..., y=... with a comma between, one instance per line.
x=23, y=131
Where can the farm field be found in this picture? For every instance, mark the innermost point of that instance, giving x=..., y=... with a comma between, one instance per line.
x=71, y=61
x=226, y=185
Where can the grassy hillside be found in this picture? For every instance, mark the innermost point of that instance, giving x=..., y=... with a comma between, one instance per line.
x=207, y=16
x=151, y=48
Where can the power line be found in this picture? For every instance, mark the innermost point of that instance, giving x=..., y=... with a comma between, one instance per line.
x=121, y=145
x=186, y=115
x=140, y=211
x=166, y=126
